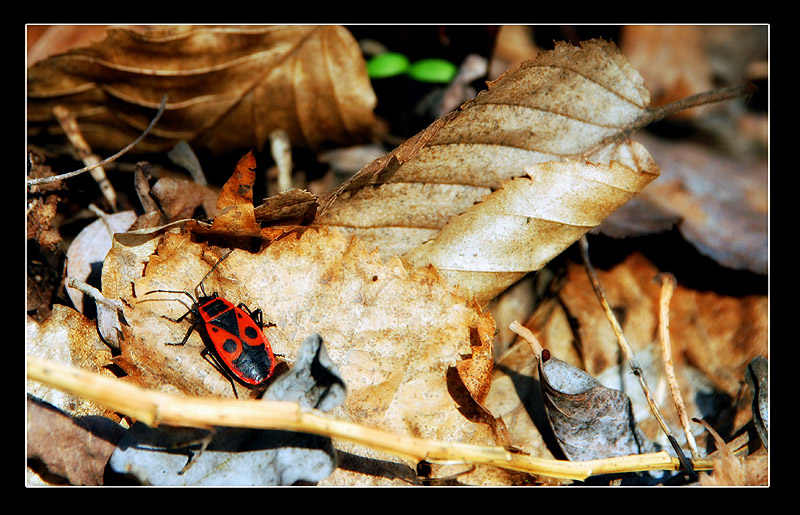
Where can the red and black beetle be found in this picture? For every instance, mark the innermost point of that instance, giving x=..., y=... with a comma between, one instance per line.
x=238, y=344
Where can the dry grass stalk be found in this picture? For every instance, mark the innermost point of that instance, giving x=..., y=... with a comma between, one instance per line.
x=155, y=408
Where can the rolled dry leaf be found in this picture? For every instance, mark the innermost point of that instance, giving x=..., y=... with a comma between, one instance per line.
x=521, y=227
x=543, y=156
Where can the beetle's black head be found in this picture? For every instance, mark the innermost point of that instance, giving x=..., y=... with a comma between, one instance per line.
x=204, y=299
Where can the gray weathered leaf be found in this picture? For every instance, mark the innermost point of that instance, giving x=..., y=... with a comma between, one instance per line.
x=757, y=376
x=589, y=420
x=718, y=203
x=242, y=457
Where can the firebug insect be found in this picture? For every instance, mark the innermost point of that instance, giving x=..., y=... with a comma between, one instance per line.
x=238, y=347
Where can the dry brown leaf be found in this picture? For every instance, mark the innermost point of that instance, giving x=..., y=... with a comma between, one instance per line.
x=42, y=208
x=73, y=449
x=718, y=203
x=729, y=470
x=712, y=336
x=292, y=206
x=671, y=58
x=44, y=241
x=757, y=468
x=716, y=333
x=228, y=87
x=562, y=119
x=513, y=46
x=70, y=338
x=46, y=40
x=236, y=213
x=179, y=199
x=405, y=343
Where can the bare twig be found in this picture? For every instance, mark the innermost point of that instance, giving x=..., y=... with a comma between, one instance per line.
x=70, y=126
x=529, y=337
x=55, y=178
x=667, y=287
x=155, y=408
x=629, y=355
x=707, y=97
x=654, y=114
x=93, y=292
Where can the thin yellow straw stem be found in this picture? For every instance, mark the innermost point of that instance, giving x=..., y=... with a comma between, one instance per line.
x=155, y=408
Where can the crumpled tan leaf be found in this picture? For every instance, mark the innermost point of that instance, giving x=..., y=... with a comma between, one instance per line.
x=67, y=337
x=562, y=119
x=229, y=87
x=400, y=339
x=416, y=357
x=716, y=333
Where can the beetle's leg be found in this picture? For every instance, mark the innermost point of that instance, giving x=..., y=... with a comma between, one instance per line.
x=257, y=316
x=193, y=456
x=219, y=368
x=169, y=291
x=188, y=333
x=179, y=319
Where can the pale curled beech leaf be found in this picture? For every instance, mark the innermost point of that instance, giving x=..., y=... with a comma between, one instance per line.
x=558, y=200
x=563, y=119
x=228, y=87
x=520, y=228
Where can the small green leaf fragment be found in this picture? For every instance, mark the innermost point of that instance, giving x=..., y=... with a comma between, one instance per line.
x=387, y=64
x=433, y=70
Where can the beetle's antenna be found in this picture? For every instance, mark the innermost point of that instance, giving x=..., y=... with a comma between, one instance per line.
x=200, y=284
x=169, y=291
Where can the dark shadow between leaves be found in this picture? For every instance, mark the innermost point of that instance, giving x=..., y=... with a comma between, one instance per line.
x=529, y=391
x=376, y=468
